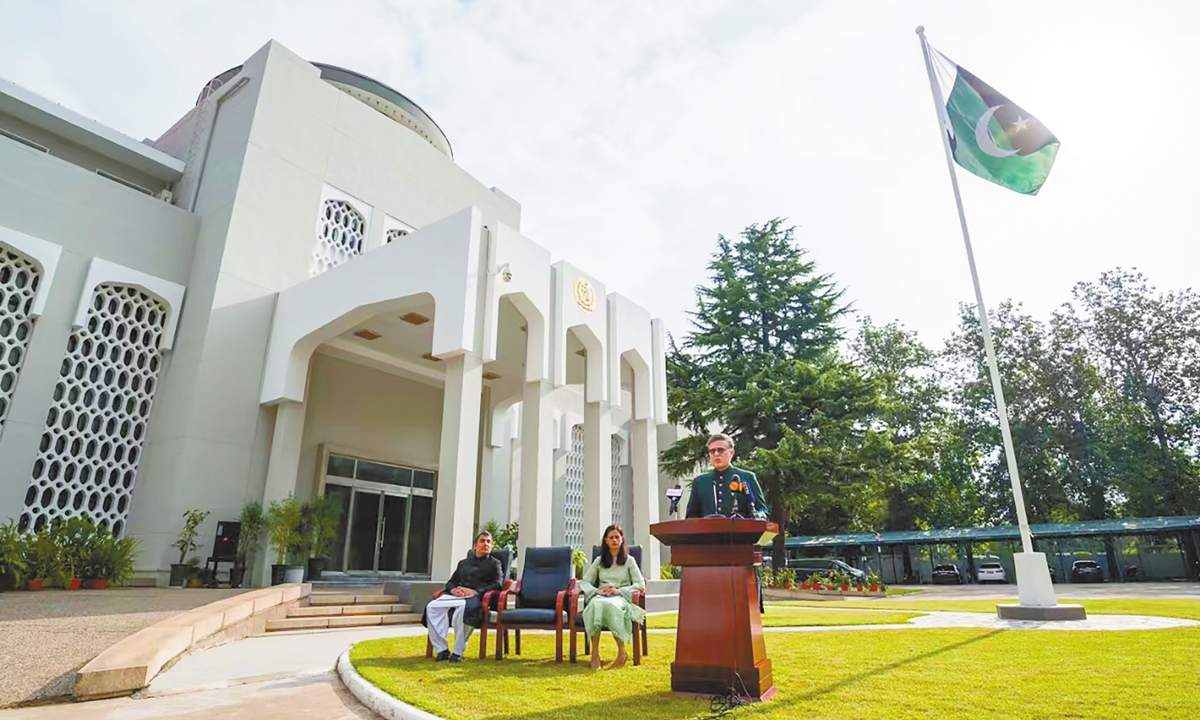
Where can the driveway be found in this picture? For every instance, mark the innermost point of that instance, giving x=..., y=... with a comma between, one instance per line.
x=46, y=636
x=1074, y=590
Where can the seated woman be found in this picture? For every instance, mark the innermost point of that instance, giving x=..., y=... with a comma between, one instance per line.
x=608, y=585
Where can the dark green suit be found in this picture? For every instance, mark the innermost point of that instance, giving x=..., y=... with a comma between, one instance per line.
x=710, y=491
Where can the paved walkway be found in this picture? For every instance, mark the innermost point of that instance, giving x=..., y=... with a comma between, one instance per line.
x=46, y=636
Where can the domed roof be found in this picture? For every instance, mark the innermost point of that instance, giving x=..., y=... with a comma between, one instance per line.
x=368, y=91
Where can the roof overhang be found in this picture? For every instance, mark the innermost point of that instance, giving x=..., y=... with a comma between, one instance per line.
x=70, y=125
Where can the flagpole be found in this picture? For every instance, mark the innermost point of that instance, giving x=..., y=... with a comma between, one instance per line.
x=989, y=348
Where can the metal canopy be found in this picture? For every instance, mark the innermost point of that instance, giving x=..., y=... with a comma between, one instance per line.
x=1088, y=528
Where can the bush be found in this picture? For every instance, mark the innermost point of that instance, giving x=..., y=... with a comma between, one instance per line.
x=579, y=560
x=253, y=524
x=110, y=558
x=318, y=524
x=784, y=579
x=75, y=537
x=670, y=572
x=873, y=579
x=817, y=580
x=12, y=557
x=283, y=527
x=186, y=542
x=43, y=558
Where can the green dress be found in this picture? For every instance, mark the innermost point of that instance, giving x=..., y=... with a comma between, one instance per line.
x=617, y=613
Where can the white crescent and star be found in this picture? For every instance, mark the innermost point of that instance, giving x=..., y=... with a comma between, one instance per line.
x=983, y=135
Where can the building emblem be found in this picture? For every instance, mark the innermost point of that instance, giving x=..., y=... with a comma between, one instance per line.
x=585, y=295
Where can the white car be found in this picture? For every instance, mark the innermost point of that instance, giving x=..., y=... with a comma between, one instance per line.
x=991, y=572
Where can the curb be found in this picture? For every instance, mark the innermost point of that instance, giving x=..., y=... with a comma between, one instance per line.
x=377, y=700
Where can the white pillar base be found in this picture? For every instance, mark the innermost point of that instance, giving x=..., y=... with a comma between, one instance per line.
x=1034, y=585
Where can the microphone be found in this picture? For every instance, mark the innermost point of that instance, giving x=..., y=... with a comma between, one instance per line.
x=738, y=487
x=673, y=494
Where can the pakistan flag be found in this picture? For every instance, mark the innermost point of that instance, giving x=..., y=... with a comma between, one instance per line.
x=994, y=138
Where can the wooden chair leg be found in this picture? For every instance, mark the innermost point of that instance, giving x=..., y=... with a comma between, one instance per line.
x=573, y=641
x=558, y=653
x=501, y=646
x=483, y=637
x=428, y=648
x=637, y=648
x=645, y=646
x=506, y=650
x=518, y=632
x=587, y=644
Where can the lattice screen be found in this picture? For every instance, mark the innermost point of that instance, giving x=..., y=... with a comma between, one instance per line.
x=340, y=232
x=573, y=491
x=96, y=427
x=19, y=280
x=618, y=485
x=395, y=234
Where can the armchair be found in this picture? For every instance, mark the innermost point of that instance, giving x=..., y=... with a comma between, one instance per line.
x=639, y=599
x=490, y=601
x=545, y=590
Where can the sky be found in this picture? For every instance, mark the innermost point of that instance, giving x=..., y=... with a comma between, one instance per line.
x=633, y=133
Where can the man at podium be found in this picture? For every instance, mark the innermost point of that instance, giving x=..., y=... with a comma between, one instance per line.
x=726, y=490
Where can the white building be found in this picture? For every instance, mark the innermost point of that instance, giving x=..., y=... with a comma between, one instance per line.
x=296, y=290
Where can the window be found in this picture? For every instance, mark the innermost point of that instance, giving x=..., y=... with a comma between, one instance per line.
x=19, y=279
x=96, y=427
x=340, y=232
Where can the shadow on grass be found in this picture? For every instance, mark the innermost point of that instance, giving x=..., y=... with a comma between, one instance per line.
x=650, y=706
x=788, y=701
x=526, y=668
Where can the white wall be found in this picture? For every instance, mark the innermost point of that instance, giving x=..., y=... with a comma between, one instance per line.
x=370, y=414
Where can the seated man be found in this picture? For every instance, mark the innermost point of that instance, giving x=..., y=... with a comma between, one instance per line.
x=461, y=607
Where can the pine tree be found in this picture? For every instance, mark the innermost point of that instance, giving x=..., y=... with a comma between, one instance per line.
x=761, y=362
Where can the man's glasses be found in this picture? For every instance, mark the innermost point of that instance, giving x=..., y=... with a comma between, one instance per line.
x=719, y=451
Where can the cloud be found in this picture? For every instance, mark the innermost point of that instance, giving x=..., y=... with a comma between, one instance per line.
x=633, y=133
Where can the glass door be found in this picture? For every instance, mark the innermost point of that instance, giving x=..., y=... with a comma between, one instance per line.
x=388, y=523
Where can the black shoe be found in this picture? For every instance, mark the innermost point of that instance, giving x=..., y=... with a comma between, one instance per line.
x=443, y=656
x=456, y=658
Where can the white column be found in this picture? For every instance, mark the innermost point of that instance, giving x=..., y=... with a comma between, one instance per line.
x=597, y=473
x=644, y=458
x=454, y=509
x=282, y=469
x=537, y=465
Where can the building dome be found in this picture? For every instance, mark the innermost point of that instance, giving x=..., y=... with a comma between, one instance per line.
x=370, y=92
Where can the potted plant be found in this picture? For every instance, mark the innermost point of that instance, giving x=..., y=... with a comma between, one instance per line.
x=253, y=524
x=193, y=575
x=283, y=529
x=320, y=522
x=12, y=557
x=43, y=560
x=874, y=583
x=185, y=543
x=75, y=537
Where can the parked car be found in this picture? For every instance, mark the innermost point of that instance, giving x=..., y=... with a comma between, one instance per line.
x=947, y=575
x=991, y=572
x=807, y=566
x=1086, y=571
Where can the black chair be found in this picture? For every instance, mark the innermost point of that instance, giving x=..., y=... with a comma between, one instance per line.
x=490, y=601
x=546, y=588
x=639, y=599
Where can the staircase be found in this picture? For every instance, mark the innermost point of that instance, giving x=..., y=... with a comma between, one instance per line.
x=346, y=606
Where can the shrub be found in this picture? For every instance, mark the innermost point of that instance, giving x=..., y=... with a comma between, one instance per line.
x=579, y=560
x=785, y=579
x=12, y=556
x=670, y=572
x=253, y=524
x=186, y=542
x=43, y=558
x=75, y=538
x=283, y=527
x=318, y=525
x=110, y=558
x=873, y=579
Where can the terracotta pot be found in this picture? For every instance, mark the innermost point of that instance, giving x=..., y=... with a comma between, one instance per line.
x=73, y=584
x=36, y=584
x=804, y=586
x=845, y=588
x=95, y=584
x=874, y=588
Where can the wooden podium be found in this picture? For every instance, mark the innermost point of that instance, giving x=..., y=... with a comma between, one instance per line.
x=719, y=642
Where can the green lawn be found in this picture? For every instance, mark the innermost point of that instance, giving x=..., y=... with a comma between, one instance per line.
x=1166, y=607
x=784, y=616
x=900, y=674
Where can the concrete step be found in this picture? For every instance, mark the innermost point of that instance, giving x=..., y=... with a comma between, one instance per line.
x=340, y=621
x=335, y=610
x=662, y=603
x=347, y=588
x=655, y=587
x=350, y=599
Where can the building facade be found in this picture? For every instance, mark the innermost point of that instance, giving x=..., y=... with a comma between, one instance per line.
x=296, y=291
